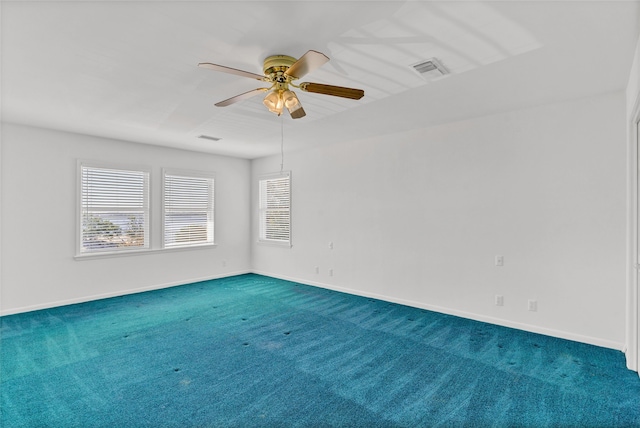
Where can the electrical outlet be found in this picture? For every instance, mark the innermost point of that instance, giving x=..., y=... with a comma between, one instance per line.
x=331, y=245
x=499, y=260
x=317, y=269
x=533, y=305
x=499, y=300
x=330, y=272
x=224, y=263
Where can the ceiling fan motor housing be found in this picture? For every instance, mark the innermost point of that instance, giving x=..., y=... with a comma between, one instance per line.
x=277, y=64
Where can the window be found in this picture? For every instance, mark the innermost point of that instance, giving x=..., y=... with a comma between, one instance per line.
x=275, y=208
x=114, y=209
x=188, y=201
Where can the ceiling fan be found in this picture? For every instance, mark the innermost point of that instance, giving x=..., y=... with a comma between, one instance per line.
x=281, y=71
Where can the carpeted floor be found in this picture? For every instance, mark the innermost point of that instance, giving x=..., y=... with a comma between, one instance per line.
x=256, y=351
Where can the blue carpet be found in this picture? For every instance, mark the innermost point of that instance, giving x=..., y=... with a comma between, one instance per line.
x=256, y=351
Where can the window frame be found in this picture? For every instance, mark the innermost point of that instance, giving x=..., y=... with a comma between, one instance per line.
x=262, y=209
x=80, y=253
x=188, y=174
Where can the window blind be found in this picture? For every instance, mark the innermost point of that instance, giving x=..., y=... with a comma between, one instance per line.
x=275, y=209
x=114, y=209
x=188, y=210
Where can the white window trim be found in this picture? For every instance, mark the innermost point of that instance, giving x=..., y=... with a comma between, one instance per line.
x=188, y=173
x=287, y=244
x=115, y=166
x=89, y=256
x=152, y=247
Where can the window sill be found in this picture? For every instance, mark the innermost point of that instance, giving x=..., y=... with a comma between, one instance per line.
x=275, y=244
x=109, y=254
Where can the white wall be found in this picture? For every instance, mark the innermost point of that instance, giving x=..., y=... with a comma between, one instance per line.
x=633, y=303
x=39, y=221
x=415, y=218
x=418, y=217
x=633, y=86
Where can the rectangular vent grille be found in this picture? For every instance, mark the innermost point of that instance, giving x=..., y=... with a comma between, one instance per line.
x=208, y=137
x=425, y=67
x=431, y=68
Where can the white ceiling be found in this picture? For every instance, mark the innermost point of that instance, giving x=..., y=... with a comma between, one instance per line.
x=128, y=70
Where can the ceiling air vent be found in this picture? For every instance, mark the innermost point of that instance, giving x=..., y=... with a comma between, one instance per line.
x=431, y=68
x=208, y=137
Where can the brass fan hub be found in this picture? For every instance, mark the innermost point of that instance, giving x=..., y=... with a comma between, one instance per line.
x=277, y=64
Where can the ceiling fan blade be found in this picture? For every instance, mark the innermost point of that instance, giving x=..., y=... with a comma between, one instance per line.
x=336, y=91
x=297, y=113
x=230, y=70
x=241, y=97
x=306, y=64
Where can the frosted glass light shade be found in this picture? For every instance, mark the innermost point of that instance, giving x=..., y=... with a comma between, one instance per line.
x=274, y=102
x=291, y=101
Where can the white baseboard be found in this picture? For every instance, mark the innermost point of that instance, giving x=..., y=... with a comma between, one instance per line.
x=463, y=314
x=449, y=311
x=85, y=299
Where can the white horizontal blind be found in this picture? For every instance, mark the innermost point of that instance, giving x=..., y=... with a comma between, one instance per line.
x=275, y=209
x=188, y=210
x=114, y=209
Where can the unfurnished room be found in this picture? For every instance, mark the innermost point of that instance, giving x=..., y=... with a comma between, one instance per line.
x=319, y=213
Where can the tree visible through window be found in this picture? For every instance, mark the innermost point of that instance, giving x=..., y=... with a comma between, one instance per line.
x=114, y=209
x=275, y=208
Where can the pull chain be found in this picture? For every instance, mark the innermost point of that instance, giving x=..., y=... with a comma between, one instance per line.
x=281, y=144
